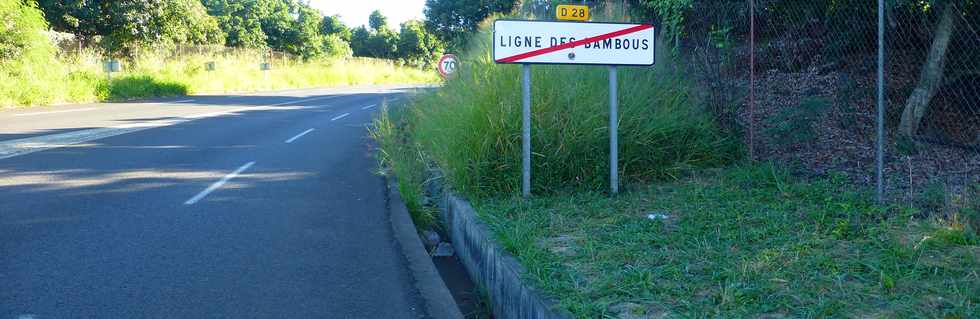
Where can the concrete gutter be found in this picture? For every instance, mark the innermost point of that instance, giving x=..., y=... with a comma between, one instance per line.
x=491, y=267
x=439, y=303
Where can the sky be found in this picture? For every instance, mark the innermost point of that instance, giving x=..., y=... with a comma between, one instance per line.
x=355, y=12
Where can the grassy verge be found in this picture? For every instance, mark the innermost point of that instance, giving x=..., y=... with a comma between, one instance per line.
x=737, y=241
x=79, y=77
x=403, y=159
x=471, y=127
x=741, y=242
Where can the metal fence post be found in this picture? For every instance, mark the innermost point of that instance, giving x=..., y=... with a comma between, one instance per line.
x=880, y=152
x=526, y=132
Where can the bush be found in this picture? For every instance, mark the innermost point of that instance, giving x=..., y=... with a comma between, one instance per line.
x=472, y=127
x=143, y=86
x=21, y=36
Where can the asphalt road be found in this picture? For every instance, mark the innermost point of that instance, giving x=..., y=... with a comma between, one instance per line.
x=252, y=206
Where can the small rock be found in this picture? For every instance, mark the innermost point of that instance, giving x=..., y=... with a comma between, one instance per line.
x=657, y=216
x=430, y=239
x=444, y=249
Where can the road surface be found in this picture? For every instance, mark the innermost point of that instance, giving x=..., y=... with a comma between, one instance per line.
x=251, y=206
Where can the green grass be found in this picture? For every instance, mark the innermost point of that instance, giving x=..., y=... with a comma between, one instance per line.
x=404, y=160
x=471, y=127
x=79, y=77
x=740, y=242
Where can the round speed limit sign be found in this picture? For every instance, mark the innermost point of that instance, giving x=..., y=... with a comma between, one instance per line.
x=447, y=65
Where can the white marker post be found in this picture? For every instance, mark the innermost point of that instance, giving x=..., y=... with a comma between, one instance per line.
x=550, y=42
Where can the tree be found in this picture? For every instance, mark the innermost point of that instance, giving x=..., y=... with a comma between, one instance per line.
x=416, y=45
x=239, y=21
x=377, y=21
x=359, y=41
x=335, y=47
x=931, y=75
x=127, y=24
x=450, y=20
x=333, y=26
x=276, y=20
x=80, y=17
x=20, y=33
x=304, y=38
x=383, y=44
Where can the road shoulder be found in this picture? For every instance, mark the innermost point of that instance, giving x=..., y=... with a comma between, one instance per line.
x=439, y=302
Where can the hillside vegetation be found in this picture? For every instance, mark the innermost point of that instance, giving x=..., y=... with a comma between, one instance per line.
x=39, y=66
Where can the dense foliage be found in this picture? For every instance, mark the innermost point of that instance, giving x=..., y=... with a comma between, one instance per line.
x=122, y=27
x=127, y=24
x=452, y=20
x=18, y=32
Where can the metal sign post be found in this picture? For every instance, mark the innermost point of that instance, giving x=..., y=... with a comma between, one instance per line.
x=613, y=132
x=551, y=42
x=526, y=132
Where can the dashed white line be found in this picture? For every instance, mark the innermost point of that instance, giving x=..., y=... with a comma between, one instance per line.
x=304, y=100
x=182, y=101
x=368, y=107
x=298, y=136
x=340, y=116
x=53, y=112
x=218, y=184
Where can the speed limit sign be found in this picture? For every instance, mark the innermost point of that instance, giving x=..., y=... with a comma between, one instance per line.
x=447, y=65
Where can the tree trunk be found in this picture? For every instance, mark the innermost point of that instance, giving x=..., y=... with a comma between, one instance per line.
x=930, y=78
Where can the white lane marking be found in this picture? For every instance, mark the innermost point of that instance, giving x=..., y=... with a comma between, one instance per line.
x=298, y=136
x=182, y=101
x=218, y=184
x=18, y=147
x=53, y=112
x=369, y=106
x=305, y=100
x=340, y=116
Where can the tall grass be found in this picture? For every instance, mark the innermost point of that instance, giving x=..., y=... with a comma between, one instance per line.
x=472, y=126
x=79, y=77
x=404, y=160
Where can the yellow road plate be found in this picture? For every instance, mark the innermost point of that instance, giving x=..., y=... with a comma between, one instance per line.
x=572, y=12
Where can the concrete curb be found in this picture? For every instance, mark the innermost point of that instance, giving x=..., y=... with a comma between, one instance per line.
x=439, y=302
x=491, y=267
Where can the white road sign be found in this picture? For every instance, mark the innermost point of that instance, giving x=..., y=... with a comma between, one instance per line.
x=550, y=42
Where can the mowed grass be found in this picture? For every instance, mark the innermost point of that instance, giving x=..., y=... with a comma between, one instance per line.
x=80, y=77
x=741, y=242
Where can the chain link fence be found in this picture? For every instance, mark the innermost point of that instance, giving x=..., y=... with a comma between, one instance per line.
x=797, y=79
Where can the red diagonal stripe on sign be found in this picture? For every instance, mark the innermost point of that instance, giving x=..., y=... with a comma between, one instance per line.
x=575, y=43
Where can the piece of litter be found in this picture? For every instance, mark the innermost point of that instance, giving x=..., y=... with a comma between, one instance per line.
x=444, y=249
x=657, y=216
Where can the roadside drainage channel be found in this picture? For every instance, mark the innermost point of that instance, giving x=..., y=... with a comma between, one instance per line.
x=440, y=278
x=495, y=270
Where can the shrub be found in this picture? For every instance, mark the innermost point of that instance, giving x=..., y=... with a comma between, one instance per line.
x=142, y=86
x=21, y=36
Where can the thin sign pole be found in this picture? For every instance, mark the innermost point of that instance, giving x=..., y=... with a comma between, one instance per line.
x=751, y=79
x=880, y=152
x=526, y=133
x=613, y=132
